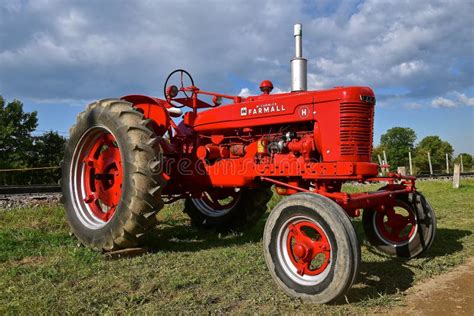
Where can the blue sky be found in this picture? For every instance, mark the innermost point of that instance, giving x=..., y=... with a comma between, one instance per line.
x=57, y=56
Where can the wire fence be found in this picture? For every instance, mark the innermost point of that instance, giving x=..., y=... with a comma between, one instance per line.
x=445, y=166
x=30, y=176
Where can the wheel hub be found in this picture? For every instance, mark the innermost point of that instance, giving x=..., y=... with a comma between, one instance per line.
x=103, y=176
x=300, y=251
x=308, y=248
x=395, y=227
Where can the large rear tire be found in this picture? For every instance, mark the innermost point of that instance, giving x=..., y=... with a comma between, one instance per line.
x=111, y=176
x=311, y=248
x=406, y=229
x=228, y=209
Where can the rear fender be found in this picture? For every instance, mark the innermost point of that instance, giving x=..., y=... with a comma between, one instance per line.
x=153, y=109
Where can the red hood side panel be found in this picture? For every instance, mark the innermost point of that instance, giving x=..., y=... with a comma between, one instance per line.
x=273, y=109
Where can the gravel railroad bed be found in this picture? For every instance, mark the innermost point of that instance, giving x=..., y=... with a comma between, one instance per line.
x=8, y=201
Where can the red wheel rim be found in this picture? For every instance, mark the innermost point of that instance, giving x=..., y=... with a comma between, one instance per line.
x=396, y=224
x=96, y=177
x=308, y=248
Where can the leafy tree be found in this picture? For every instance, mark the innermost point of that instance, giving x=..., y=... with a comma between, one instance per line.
x=16, y=127
x=378, y=150
x=19, y=149
x=437, y=149
x=466, y=161
x=47, y=150
x=397, y=142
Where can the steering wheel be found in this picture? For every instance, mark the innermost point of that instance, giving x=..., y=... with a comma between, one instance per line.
x=181, y=72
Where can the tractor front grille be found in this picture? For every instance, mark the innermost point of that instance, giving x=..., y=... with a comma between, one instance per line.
x=356, y=130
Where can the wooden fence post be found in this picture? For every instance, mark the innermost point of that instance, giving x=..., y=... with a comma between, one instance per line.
x=447, y=163
x=380, y=164
x=456, y=175
x=429, y=161
x=411, y=166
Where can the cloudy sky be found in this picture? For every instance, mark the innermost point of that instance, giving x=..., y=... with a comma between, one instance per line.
x=57, y=56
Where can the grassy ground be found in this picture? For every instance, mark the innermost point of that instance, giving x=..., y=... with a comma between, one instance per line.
x=42, y=268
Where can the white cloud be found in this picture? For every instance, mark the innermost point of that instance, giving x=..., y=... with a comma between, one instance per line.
x=406, y=69
x=274, y=62
x=460, y=99
x=244, y=92
x=465, y=100
x=330, y=67
x=441, y=102
x=72, y=24
x=87, y=50
x=317, y=82
x=397, y=44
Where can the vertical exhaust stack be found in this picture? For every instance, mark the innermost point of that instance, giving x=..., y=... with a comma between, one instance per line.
x=298, y=64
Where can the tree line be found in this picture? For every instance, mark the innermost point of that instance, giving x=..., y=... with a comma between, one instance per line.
x=397, y=142
x=20, y=149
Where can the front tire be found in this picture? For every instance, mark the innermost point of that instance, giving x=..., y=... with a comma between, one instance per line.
x=406, y=229
x=111, y=176
x=311, y=248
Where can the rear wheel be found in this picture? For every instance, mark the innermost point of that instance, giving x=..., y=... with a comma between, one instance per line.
x=311, y=248
x=405, y=229
x=111, y=176
x=228, y=209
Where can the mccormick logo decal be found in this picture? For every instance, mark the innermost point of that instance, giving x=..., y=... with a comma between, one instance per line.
x=262, y=109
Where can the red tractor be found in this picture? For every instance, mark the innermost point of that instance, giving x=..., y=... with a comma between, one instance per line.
x=128, y=157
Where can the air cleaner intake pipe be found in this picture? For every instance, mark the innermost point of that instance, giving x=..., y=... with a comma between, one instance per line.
x=298, y=64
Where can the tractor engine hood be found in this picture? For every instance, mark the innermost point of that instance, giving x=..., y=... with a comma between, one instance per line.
x=286, y=108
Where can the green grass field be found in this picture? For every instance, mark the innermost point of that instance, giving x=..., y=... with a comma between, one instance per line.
x=42, y=268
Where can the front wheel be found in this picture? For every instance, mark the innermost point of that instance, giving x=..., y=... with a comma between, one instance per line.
x=311, y=248
x=406, y=228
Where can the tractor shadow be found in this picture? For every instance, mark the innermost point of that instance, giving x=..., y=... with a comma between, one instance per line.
x=181, y=236
x=383, y=275
x=395, y=275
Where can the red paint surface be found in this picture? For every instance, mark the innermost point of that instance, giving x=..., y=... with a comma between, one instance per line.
x=306, y=141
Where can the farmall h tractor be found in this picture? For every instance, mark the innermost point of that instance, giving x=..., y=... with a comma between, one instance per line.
x=128, y=157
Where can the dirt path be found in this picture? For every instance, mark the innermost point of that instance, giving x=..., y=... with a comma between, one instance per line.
x=448, y=294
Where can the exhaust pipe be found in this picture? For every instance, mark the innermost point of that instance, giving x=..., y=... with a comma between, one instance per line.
x=298, y=63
